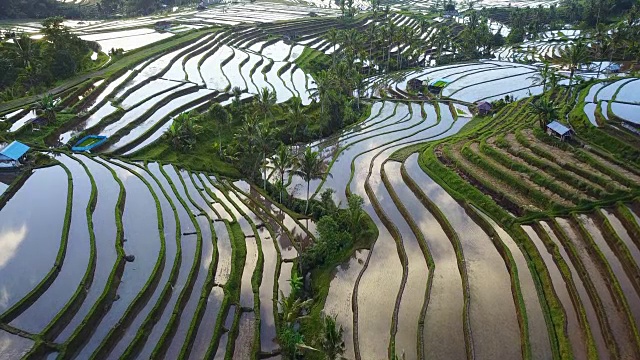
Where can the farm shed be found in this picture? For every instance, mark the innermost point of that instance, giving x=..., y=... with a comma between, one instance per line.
x=11, y=155
x=437, y=85
x=483, y=108
x=414, y=84
x=559, y=130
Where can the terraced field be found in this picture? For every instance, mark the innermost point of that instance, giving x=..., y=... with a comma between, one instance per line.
x=488, y=80
x=135, y=108
x=114, y=281
x=495, y=240
x=612, y=102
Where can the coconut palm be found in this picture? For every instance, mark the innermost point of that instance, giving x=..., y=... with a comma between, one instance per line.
x=283, y=161
x=246, y=139
x=218, y=113
x=322, y=82
x=333, y=37
x=332, y=342
x=24, y=51
x=310, y=167
x=236, y=91
x=542, y=76
x=265, y=100
x=573, y=56
x=545, y=109
x=264, y=141
x=295, y=114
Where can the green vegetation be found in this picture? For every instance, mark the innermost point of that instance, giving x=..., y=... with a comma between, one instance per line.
x=30, y=66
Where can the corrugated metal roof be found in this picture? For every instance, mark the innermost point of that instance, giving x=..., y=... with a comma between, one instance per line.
x=558, y=128
x=15, y=150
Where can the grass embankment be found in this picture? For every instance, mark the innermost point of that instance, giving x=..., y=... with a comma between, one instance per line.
x=84, y=331
x=147, y=290
x=311, y=61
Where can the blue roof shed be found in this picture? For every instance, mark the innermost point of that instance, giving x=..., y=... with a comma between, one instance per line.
x=559, y=129
x=13, y=151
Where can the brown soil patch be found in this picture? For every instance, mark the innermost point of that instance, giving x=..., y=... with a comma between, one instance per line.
x=499, y=186
x=553, y=197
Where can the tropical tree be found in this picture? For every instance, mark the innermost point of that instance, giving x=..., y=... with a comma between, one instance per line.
x=295, y=114
x=355, y=216
x=310, y=167
x=291, y=309
x=264, y=142
x=333, y=37
x=247, y=144
x=573, y=56
x=265, y=100
x=183, y=131
x=283, y=161
x=236, y=91
x=545, y=110
x=542, y=76
x=332, y=343
x=46, y=106
x=218, y=113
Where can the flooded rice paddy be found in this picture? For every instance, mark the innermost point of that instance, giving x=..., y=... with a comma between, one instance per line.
x=141, y=259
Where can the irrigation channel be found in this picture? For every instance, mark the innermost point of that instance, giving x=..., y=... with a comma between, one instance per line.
x=133, y=259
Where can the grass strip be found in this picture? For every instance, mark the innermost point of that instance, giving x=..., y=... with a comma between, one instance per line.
x=141, y=299
x=58, y=323
x=154, y=314
x=415, y=229
x=457, y=246
x=84, y=331
x=172, y=326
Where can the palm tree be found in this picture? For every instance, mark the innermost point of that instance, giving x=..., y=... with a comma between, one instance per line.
x=218, y=113
x=574, y=56
x=545, y=110
x=236, y=91
x=355, y=215
x=264, y=140
x=322, y=80
x=47, y=106
x=246, y=139
x=24, y=50
x=296, y=113
x=332, y=342
x=542, y=76
x=282, y=162
x=310, y=167
x=333, y=37
x=265, y=100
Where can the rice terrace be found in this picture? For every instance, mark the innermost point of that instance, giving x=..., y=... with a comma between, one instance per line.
x=318, y=179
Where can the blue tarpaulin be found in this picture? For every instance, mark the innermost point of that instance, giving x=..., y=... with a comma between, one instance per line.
x=13, y=151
